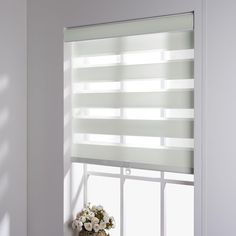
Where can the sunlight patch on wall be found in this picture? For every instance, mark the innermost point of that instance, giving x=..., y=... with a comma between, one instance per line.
x=4, y=82
x=5, y=225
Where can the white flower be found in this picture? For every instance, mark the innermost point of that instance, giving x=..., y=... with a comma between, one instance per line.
x=80, y=226
x=88, y=226
x=91, y=214
x=99, y=208
x=96, y=227
x=113, y=224
x=106, y=218
x=102, y=225
x=82, y=219
x=88, y=205
x=94, y=220
x=76, y=224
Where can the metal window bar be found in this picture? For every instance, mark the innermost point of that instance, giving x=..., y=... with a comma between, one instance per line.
x=122, y=215
x=162, y=202
x=135, y=177
x=85, y=179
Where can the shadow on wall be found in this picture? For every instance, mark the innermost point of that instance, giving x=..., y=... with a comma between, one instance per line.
x=5, y=205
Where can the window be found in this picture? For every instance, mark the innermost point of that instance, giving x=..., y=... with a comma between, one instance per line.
x=131, y=116
x=165, y=200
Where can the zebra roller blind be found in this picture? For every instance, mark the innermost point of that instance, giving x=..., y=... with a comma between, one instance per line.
x=133, y=93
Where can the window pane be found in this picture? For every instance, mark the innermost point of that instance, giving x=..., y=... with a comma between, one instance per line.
x=179, y=84
x=142, y=208
x=105, y=191
x=179, y=210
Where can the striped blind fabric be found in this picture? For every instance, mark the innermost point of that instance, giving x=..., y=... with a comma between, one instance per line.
x=133, y=93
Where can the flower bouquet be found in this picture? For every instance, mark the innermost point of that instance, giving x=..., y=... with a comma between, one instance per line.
x=93, y=221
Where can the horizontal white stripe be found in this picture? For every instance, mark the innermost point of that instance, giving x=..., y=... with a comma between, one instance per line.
x=167, y=99
x=170, y=70
x=156, y=41
x=148, y=85
x=134, y=58
x=132, y=113
x=178, y=128
x=133, y=141
x=160, y=159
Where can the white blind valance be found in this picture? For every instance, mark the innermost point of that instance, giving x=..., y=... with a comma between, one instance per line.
x=133, y=93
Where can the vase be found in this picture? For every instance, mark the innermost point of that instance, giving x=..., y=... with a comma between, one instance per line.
x=87, y=233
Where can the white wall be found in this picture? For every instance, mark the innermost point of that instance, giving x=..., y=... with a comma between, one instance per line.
x=46, y=20
x=221, y=117
x=13, y=86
